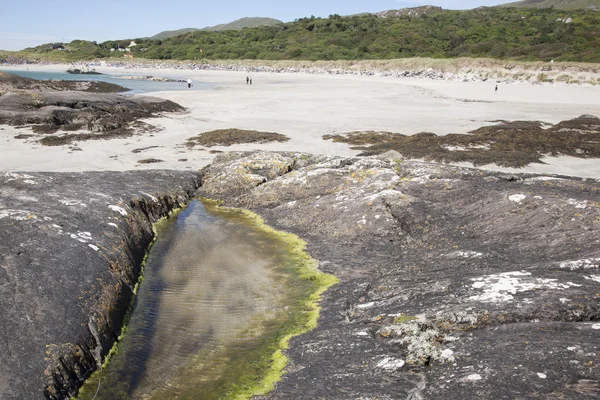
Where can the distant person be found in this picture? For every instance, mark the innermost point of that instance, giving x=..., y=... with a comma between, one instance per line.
x=496, y=89
x=251, y=81
x=247, y=80
x=189, y=82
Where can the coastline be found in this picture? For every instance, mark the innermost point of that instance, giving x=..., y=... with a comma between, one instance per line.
x=448, y=69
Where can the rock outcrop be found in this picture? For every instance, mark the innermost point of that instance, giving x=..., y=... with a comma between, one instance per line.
x=455, y=283
x=50, y=106
x=9, y=82
x=71, y=250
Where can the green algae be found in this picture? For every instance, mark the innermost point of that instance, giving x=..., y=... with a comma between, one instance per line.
x=242, y=375
x=272, y=367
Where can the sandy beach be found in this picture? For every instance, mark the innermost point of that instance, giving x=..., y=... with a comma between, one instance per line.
x=304, y=107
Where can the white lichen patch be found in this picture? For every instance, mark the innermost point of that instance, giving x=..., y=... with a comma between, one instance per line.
x=95, y=248
x=421, y=179
x=465, y=254
x=421, y=338
x=72, y=202
x=447, y=356
x=119, y=210
x=586, y=263
x=391, y=364
x=365, y=306
x=502, y=287
x=387, y=194
x=577, y=203
x=517, y=198
x=472, y=378
x=17, y=215
x=13, y=176
x=27, y=198
x=82, y=237
x=85, y=235
x=154, y=199
x=113, y=224
x=541, y=375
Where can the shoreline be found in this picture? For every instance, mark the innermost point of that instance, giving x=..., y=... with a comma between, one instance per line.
x=459, y=69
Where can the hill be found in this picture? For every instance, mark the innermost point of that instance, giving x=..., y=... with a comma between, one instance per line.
x=169, y=34
x=528, y=34
x=557, y=4
x=247, y=22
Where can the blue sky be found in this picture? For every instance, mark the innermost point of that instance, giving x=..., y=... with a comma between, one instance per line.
x=32, y=22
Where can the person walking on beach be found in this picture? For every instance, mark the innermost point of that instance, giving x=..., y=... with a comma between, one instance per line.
x=247, y=80
x=496, y=89
x=251, y=81
x=189, y=82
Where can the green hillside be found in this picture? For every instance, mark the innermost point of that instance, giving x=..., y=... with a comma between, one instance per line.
x=248, y=22
x=557, y=4
x=502, y=33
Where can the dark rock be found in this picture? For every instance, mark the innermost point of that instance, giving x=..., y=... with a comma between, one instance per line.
x=15, y=82
x=52, y=106
x=465, y=286
x=77, y=71
x=49, y=112
x=71, y=248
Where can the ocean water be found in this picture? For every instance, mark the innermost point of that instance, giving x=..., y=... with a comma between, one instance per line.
x=134, y=86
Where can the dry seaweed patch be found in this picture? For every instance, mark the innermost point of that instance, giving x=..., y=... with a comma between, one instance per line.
x=23, y=136
x=117, y=133
x=228, y=137
x=150, y=161
x=80, y=137
x=509, y=144
x=139, y=150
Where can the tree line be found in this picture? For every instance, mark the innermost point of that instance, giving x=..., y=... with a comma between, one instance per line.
x=504, y=33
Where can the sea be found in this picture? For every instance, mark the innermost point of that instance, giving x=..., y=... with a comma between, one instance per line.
x=134, y=86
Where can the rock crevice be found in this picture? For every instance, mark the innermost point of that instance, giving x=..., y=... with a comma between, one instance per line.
x=71, y=252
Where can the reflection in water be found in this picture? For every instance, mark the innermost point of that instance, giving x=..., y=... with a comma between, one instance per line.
x=217, y=292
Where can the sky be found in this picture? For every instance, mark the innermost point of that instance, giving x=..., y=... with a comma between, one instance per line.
x=29, y=23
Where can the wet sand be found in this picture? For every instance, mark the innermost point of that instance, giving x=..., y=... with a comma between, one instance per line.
x=304, y=107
